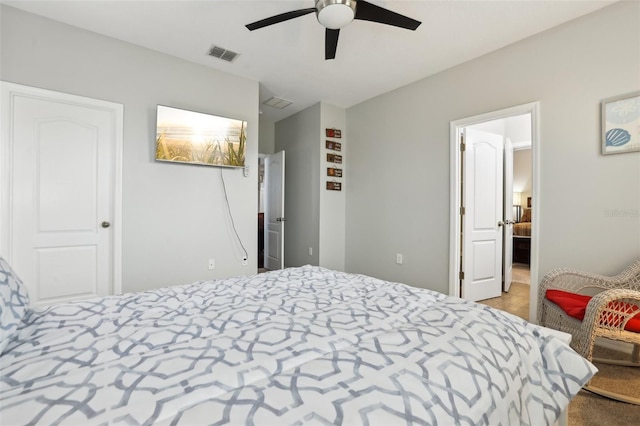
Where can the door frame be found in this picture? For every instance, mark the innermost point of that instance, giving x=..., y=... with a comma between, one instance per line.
x=455, y=128
x=507, y=245
x=8, y=91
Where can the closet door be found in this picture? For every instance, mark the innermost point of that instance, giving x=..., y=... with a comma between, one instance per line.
x=61, y=205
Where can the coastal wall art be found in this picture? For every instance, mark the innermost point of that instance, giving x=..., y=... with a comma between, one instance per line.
x=185, y=136
x=621, y=124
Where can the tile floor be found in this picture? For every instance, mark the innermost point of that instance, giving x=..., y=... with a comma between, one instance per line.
x=516, y=301
x=520, y=273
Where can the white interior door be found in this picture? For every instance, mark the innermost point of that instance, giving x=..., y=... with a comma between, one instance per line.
x=274, y=211
x=59, y=212
x=482, y=224
x=508, y=216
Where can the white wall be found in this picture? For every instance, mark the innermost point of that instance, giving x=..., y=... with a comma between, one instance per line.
x=332, y=203
x=266, y=136
x=398, y=192
x=298, y=137
x=522, y=174
x=518, y=129
x=174, y=216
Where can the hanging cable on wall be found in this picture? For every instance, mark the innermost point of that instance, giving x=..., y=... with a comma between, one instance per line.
x=233, y=224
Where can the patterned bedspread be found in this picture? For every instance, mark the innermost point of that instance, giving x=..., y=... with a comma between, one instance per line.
x=298, y=346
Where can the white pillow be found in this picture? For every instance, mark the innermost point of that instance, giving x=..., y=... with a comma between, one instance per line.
x=14, y=302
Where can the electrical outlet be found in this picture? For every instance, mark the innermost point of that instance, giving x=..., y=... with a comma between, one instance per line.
x=399, y=258
x=212, y=264
x=245, y=261
x=310, y=251
x=246, y=171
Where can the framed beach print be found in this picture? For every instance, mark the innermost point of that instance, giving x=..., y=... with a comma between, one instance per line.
x=621, y=124
x=191, y=137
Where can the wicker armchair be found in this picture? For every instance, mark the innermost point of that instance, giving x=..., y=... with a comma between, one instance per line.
x=616, y=300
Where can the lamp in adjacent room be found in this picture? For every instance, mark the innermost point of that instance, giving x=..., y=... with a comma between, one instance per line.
x=517, y=207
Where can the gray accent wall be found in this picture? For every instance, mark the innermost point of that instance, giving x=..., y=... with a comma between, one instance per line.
x=332, y=203
x=266, y=137
x=298, y=136
x=398, y=192
x=315, y=216
x=174, y=215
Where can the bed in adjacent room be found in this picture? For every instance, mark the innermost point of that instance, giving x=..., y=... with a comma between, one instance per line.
x=298, y=346
x=523, y=228
x=522, y=238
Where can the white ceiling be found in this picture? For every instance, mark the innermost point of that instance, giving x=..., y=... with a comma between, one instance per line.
x=288, y=58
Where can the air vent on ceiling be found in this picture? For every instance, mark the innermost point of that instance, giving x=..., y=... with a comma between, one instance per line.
x=277, y=102
x=222, y=53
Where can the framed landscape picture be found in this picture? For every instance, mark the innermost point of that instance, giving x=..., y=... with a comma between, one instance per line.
x=621, y=124
x=191, y=137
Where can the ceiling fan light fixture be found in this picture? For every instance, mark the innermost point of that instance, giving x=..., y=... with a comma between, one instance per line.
x=335, y=14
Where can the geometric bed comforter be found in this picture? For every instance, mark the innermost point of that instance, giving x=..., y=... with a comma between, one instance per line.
x=292, y=347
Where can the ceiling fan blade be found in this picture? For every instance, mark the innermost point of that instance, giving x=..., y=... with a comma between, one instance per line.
x=366, y=11
x=330, y=43
x=279, y=18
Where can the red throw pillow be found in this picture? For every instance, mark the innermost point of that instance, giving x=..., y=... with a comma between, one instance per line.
x=575, y=305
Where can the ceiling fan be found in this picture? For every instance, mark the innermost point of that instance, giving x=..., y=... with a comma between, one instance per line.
x=335, y=14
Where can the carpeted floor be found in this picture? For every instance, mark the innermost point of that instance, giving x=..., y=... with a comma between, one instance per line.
x=587, y=409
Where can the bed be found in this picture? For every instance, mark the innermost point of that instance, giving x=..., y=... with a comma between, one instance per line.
x=522, y=238
x=297, y=346
x=523, y=228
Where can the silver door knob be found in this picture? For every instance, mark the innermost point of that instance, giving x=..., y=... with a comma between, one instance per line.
x=500, y=223
x=105, y=224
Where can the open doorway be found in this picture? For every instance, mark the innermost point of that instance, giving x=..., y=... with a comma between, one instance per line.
x=261, y=197
x=271, y=220
x=522, y=180
x=476, y=261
